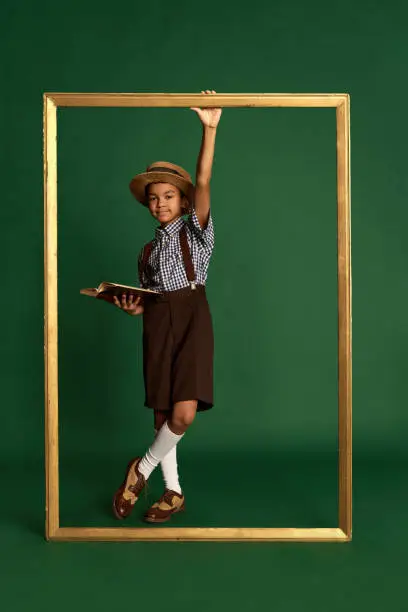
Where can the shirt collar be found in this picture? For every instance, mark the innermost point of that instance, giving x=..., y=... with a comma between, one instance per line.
x=170, y=229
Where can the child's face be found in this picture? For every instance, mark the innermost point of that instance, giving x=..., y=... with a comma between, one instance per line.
x=166, y=202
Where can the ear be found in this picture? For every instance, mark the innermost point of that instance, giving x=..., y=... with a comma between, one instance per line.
x=186, y=205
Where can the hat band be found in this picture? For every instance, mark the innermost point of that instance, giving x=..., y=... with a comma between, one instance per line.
x=162, y=169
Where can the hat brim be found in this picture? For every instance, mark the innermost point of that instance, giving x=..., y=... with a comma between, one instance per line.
x=139, y=183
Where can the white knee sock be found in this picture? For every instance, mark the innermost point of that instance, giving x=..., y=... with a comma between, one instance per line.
x=169, y=469
x=164, y=442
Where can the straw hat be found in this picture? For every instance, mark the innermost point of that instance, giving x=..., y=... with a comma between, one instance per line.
x=162, y=172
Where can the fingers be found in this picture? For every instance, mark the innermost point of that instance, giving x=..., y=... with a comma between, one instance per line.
x=204, y=92
x=128, y=301
x=134, y=301
x=205, y=114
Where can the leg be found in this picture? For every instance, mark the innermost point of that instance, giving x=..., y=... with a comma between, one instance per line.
x=172, y=501
x=160, y=417
x=182, y=416
x=139, y=470
x=169, y=463
x=169, y=435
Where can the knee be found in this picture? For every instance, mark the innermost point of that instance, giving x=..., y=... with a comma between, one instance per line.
x=182, y=422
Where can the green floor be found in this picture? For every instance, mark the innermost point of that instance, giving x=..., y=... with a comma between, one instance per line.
x=367, y=574
x=231, y=489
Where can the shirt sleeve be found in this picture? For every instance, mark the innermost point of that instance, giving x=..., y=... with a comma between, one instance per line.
x=205, y=236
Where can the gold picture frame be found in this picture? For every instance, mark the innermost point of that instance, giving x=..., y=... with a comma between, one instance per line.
x=53, y=531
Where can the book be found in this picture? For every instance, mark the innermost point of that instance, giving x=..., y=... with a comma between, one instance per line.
x=106, y=291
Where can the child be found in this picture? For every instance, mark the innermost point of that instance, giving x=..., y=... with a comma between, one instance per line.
x=177, y=326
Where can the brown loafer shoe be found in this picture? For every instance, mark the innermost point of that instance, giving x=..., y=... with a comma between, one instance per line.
x=128, y=493
x=169, y=503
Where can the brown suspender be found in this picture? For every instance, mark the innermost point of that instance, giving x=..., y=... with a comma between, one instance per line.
x=185, y=250
x=188, y=261
x=147, y=249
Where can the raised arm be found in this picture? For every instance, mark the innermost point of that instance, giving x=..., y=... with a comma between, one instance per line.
x=209, y=118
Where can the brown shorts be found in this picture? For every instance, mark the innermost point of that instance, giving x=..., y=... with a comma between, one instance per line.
x=178, y=348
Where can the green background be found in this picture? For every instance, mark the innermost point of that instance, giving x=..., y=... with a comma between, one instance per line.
x=265, y=455
x=272, y=290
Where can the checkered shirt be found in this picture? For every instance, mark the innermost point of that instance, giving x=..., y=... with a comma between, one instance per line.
x=165, y=269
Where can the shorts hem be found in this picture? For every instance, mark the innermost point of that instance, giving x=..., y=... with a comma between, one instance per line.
x=203, y=405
